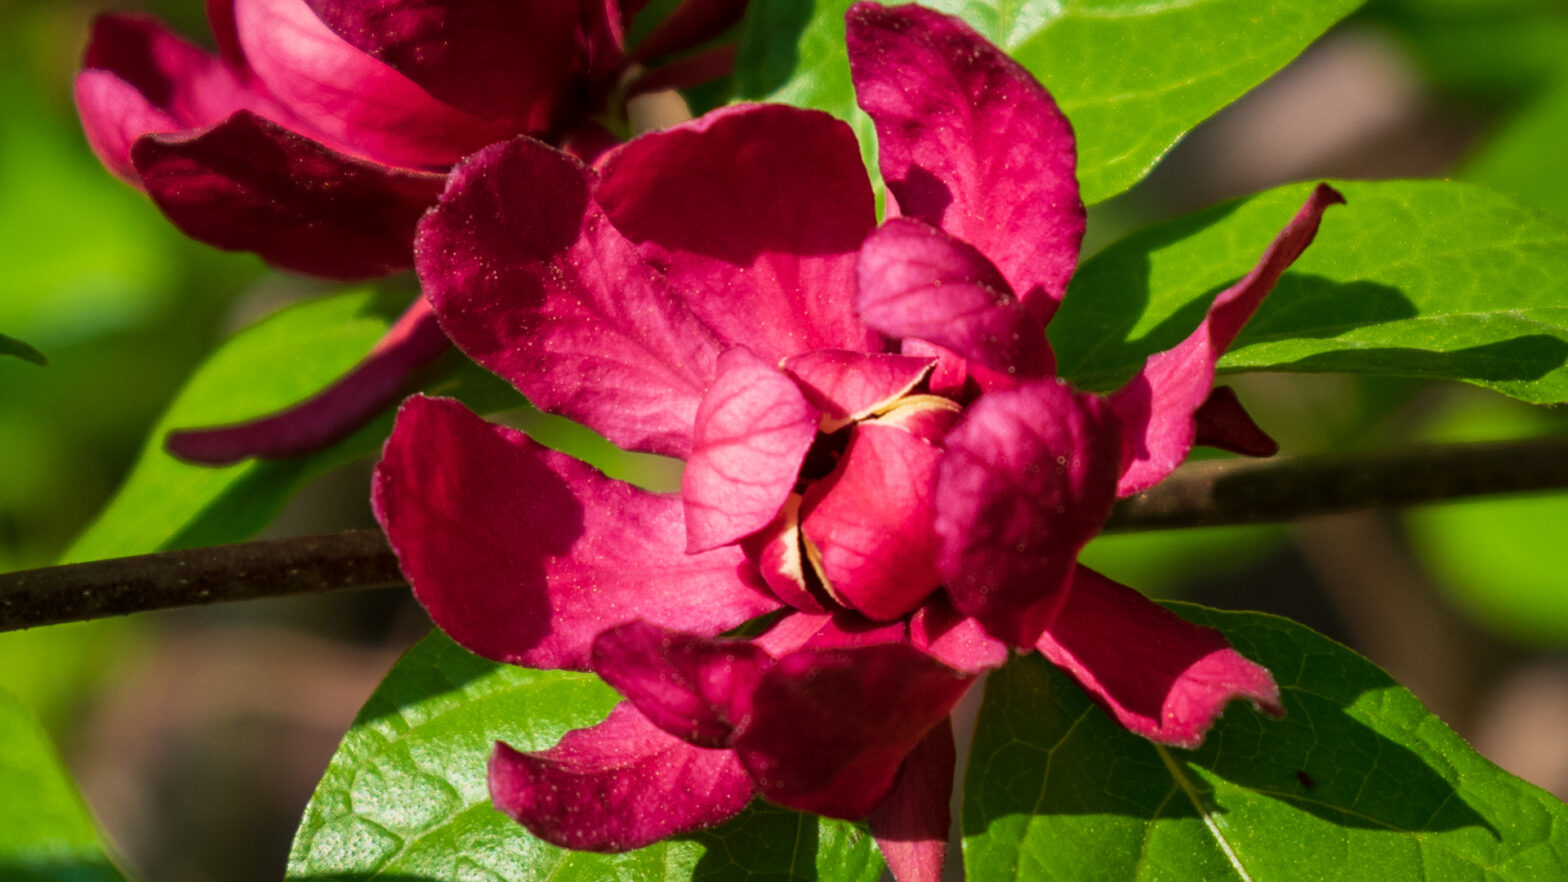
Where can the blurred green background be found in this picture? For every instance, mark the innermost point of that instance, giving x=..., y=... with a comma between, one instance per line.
x=197, y=735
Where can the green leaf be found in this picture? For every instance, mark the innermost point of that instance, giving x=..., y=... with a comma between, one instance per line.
x=1357, y=781
x=46, y=833
x=1410, y=278
x=1134, y=76
x=405, y=797
x=1525, y=158
x=22, y=350
x=166, y=503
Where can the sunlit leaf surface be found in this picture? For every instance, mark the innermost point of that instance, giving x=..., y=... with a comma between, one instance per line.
x=1358, y=781
x=405, y=796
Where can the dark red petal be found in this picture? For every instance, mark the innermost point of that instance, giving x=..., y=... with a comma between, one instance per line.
x=690, y=24
x=493, y=58
x=968, y=141
x=917, y=281
x=848, y=385
x=1029, y=477
x=620, y=785
x=911, y=823
x=693, y=70
x=1159, y=675
x=350, y=100
x=954, y=639
x=775, y=551
x=831, y=727
x=531, y=280
x=868, y=524
x=1223, y=423
x=333, y=414
x=1157, y=406
x=523, y=554
x=139, y=78
x=753, y=429
x=248, y=184
x=756, y=214
x=691, y=687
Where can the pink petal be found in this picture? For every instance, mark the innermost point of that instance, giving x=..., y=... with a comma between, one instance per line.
x=497, y=60
x=1159, y=675
x=841, y=629
x=831, y=727
x=917, y=281
x=139, y=78
x=524, y=555
x=775, y=551
x=911, y=823
x=248, y=184
x=954, y=639
x=1029, y=477
x=691, y=687
x=1223, y=423
x=753, y=429
x=968, y=141
x=349, y=99
x=868, y=525
x=530, y=279
x=755, y=213
x=849, y=386
x=333, y=414
x=1157, y=406
x=620, y=785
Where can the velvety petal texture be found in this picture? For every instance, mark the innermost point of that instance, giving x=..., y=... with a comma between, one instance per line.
x=622, y=784
x=917, y=281
x=830, y=728
x=249, y=184
x=524, y=555
x=755, y=214
x=1029, y=477
x=1158, y=405
x=911, y=822
x=970, y=142
x=486, y=57
x=692, y=687
x=372, y=386
x=531, y=280
x=753, y=429
x=1156, y=673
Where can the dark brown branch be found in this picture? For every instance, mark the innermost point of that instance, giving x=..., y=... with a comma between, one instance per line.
x=247, y=571
x=1233, y=491
x=1198, y=495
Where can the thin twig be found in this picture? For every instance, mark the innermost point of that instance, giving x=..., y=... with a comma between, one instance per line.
x=246, y=571
x=1198, y=495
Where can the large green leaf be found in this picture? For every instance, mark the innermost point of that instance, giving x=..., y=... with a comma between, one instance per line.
x=46, y=833
x=1132, y=75
x=405, y=796
x=166, y=503
x=1357, y=781
x=1410, y=278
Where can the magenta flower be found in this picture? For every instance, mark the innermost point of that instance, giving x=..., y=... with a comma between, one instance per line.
x=323, y=129
x=878, y=456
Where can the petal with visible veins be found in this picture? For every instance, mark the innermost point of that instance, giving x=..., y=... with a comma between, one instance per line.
x=692, y=687
x=755, y=213
x=1159, y=675
x=1029, y=477
x=531, y=280
x=620, y=785
x=970, y=142
x=911, y=823
x=753, y=429
x=524, y=555
x=917, y=281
